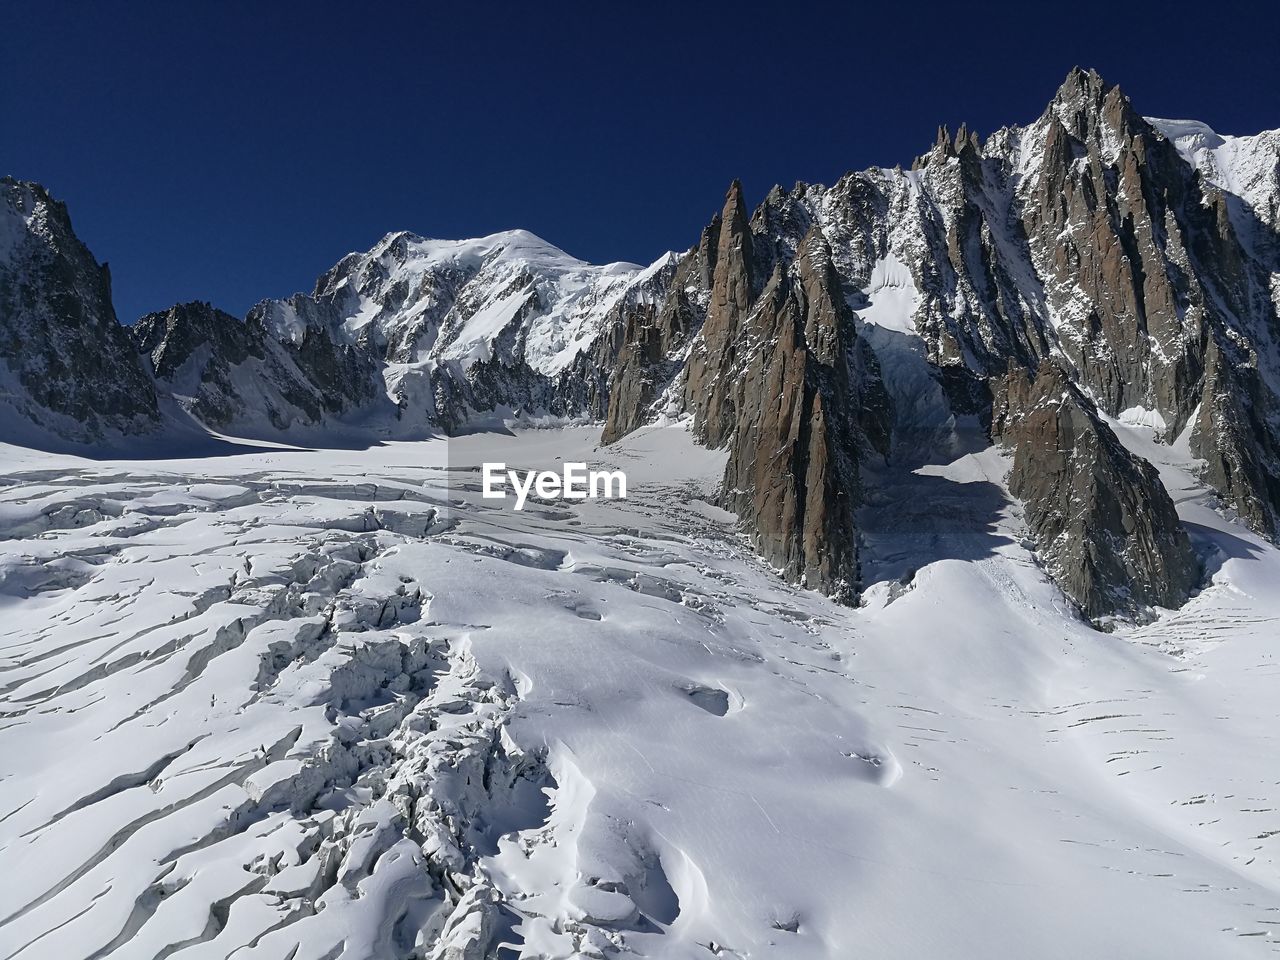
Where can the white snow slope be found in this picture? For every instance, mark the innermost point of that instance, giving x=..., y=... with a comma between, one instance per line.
x=459, y=300
x=301, y=704
x=1245, y=167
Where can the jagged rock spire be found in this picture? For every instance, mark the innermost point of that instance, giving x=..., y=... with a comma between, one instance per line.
x=792, y=474
x=1091, y=109
x=708, y=388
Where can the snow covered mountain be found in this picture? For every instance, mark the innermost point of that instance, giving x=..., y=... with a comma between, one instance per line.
x=1016, y=410
x=510, y=296
x=831, y=335
x=1244, y=168
x=1085, y=239
x=235, y=375
x=412, y=337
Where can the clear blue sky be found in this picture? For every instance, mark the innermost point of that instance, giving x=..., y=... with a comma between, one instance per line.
x=234, y=151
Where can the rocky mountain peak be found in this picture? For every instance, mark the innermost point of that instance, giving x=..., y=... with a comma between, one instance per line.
x=735, y=229
x=792, y=394
x=1082, y=86
x=708, y=390
x=170, y=337
x=66, y=364
x=965, y=145
x=1096, y=114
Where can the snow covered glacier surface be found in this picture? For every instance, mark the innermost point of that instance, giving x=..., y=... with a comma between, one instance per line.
x=316, y=704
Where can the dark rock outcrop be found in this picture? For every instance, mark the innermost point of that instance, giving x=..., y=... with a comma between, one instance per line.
x=792, y=473
x=345, y=376
x=709, y=388
x=1235, y=433
x=776, y=376
x=652, y=339
x=230, y=374
x=1167, y=283
x=1111, y=216
x=1105, y=527
x=71, y=367
x=1085, y=236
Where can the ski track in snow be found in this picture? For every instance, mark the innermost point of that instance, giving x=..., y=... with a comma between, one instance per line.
x=323, y=704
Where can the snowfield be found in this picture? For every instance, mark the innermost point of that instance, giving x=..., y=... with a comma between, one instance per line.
x=303, y=704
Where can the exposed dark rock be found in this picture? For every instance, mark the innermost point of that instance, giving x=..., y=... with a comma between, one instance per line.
x=652, y=338
x=1104, y=217
x=71, y=366
x=792, y=474
x=708, y=385
x=1105, y=527
x=1235, y=434
x=228, y=373
x=345, y=375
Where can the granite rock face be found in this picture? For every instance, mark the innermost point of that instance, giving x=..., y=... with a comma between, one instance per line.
x=769, y=366
x=1133, y=257
x=1106, y=529
x=346, y=376
x=715, y=356
x=66, y=364
x=792, y=474
x=1235, y=432
x=650, y=340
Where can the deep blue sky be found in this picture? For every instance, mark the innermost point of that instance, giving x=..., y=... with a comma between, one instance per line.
x=234, y=151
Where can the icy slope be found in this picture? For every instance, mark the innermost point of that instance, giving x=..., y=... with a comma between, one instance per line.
x=249, y=712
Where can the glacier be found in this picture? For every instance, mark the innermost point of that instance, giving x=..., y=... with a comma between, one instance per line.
x=298, y=703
